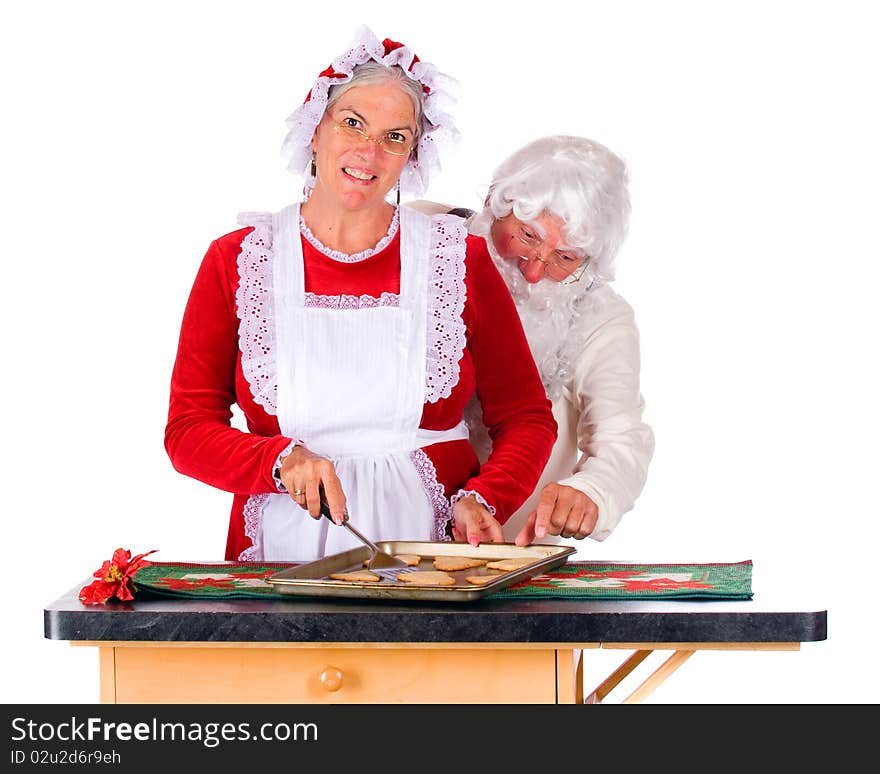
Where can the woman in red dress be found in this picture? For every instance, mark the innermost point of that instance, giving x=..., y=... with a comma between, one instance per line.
x=351, y=332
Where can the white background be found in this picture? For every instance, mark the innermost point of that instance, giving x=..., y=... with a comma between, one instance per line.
x=134, y=133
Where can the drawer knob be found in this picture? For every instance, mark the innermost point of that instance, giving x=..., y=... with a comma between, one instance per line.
x=331, y=678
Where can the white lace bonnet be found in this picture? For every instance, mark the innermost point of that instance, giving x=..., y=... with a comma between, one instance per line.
x=438, y=129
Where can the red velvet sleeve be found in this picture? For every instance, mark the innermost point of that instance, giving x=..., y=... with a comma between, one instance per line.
x=515, y=406
x=207, y=380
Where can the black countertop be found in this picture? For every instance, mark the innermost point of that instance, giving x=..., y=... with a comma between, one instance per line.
x=514, y=621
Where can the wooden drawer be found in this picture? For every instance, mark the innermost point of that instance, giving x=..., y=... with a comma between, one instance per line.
x=328, y=675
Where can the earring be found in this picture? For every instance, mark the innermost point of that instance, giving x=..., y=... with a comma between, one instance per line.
x=314, y=168
x=398, y=193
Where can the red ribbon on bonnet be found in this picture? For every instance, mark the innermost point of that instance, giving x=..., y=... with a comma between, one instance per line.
x=388, y=45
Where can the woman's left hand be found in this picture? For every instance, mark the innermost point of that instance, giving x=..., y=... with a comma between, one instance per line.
x=474, y=524
x=562, y=510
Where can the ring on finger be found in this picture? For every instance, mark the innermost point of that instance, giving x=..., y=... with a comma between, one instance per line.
x=299, y=492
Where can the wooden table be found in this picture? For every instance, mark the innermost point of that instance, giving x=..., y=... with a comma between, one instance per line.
x=165, y=650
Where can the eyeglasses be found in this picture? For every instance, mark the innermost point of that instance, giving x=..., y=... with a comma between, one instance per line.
x=559, y=264
x=393, y=142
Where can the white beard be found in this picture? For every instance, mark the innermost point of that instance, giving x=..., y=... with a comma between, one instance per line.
x=551, y=314
x=548, y=311
x=544, y=315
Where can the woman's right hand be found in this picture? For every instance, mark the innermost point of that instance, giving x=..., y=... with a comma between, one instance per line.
x=303, y=473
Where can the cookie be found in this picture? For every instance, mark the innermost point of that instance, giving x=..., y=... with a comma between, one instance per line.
x=508, y=564
x=427, y=578
x=453, y=563
x=481, y=580
x=363, y=576
x=411, y=560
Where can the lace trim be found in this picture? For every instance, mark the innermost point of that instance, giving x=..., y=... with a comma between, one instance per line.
x=461, y=493
x=276, y=468
x=253, y=515
x=446, y=329
x=256, y=332
x=336, y=255
x=351, y=302
x=442, y=529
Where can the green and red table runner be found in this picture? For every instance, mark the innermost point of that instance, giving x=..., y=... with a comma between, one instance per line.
x=574, y=580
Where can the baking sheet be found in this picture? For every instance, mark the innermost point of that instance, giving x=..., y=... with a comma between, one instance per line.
x=312, y=578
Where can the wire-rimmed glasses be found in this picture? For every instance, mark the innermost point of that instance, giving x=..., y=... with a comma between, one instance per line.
x=393, y=142
x=559, y=264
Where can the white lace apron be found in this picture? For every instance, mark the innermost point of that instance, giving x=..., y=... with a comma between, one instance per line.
x=351, y=383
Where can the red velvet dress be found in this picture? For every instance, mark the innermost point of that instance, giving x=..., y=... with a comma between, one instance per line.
x=495, y=362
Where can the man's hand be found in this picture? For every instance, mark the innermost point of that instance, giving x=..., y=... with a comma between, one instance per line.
x=562, y=510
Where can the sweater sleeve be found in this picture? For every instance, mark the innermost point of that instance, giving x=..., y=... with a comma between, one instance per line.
x=199, y=436
x=516, y=410
x=616, y=445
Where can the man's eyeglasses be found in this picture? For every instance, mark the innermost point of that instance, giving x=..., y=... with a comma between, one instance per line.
x=559, y=264
x=393, y=142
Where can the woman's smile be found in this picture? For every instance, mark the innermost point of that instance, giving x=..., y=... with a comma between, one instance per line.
x=359, y=175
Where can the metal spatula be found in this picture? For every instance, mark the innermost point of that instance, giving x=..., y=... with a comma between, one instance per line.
x=379, y=560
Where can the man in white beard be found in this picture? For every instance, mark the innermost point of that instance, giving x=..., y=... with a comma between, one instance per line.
x=554, y=219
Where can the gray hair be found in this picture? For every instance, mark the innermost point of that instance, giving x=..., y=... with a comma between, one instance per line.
x=577, y=180
x=373, y=72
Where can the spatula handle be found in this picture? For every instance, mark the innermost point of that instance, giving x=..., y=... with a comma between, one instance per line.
x=325, y=508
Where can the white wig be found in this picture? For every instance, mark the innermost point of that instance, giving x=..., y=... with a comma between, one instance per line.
x=585, y=185
x=577, y=180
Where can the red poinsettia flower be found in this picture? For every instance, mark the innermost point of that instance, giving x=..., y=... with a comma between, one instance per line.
x=113, y=577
